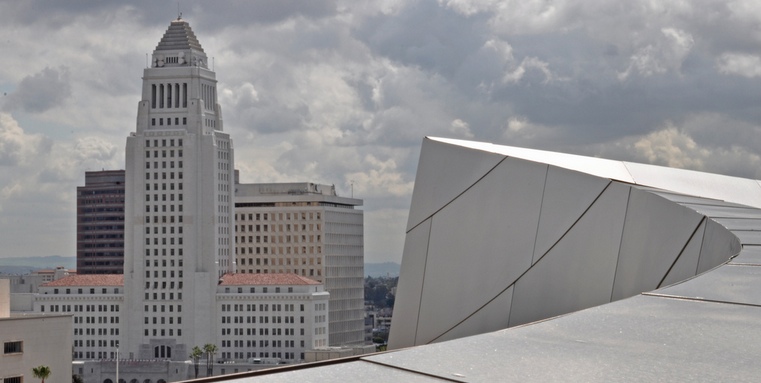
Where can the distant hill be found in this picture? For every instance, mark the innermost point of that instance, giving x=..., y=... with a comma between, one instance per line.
x=23, y=265
x=375, y=270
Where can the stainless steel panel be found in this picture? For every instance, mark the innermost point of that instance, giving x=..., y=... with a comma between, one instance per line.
x=739, y=223
x=715, y=211
x=719, y=244
x=749, y=255
x=578, y=272
x=655, y=232
x=492, y=317
x=715, y=186
x=643, y=339
x=444, y=171
x=354, y=371
x=409, y=289
x=729, y=283
x=567, y=195
x=480, y=243
x=687, y=264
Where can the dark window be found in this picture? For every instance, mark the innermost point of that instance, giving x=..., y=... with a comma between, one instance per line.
x=14, y=347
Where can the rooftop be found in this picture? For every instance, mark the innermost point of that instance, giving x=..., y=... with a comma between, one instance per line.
x=88, y=280
x=265, y=280
x=179, y=36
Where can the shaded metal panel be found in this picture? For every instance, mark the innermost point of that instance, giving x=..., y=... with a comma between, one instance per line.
x=404, y=322
x=355, y=371
x=655, y=232
x=578, y=272
x=567, y=194
x=492, y=317
x=729, y=283
x=599, y=167
x=444, y=171
x=687, y=264
x=748, y=237
x=749, y=255
x=639, y=339
x=739, y=223
x=698, y=184
x=719, y=244
x=716, y=211
x=480, y=243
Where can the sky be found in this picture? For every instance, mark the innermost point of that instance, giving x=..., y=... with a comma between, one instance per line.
x=343, y=92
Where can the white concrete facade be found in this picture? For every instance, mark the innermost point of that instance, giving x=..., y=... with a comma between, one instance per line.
x=179, y=204
x=271, y=316
x=29, y=341
x=307, y=229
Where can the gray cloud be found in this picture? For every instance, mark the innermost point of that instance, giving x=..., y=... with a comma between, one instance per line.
x=333, y=91
x=42, y=91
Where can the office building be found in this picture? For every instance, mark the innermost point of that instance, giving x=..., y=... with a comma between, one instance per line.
x=306, y=229
x=100, y=223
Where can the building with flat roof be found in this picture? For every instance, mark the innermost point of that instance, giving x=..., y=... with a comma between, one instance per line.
x=306, y=229
x=29, y=341
x=100, y=223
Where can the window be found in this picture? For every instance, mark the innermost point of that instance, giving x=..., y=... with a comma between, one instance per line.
x=14, y=347
x=14, y=379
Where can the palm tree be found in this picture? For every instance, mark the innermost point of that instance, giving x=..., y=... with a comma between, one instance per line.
x=195, y=354
x=210, y=350
x=41, y=372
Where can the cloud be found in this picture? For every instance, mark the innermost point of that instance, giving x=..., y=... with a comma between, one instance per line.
x=665, y=54
x=42, y=91
x=740, y=64
x=16, y=147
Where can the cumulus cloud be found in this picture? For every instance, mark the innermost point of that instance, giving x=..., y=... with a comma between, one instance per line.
x=41, y=91
x=339, y=91
x=16, y=146
x=745, y=65
x=664, y=54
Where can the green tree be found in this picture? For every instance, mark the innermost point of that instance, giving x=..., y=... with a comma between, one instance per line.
x=41, y=372
x=195, y=354
x=210, y=350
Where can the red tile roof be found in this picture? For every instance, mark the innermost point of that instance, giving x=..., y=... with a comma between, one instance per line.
x=265, y=279
x=88, y=280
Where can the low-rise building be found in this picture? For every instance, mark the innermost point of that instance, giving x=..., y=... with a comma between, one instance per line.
x=32, y=340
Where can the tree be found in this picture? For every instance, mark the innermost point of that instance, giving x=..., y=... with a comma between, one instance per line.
x=195, y=354
x=76, y=379
x=41, y=372
x=210, y=350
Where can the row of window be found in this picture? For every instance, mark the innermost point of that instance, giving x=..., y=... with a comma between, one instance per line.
x=303, y=272
x=104, y=290
x=163, y=143
x=288, y=307
x=163, y=186
x=262, y=343
x=163, y=240
x=163, y=332
x=279, y=250
x=163, y=153
x=169, y=121
x=91, y=331
x=162, y=95
x=163, y=251
x=164, y=219
x=278, y=216
x=163, y=175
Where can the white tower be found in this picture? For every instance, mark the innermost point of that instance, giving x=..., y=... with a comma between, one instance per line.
x=179, y=204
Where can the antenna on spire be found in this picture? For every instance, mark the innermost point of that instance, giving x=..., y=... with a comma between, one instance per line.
x=179, y=14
